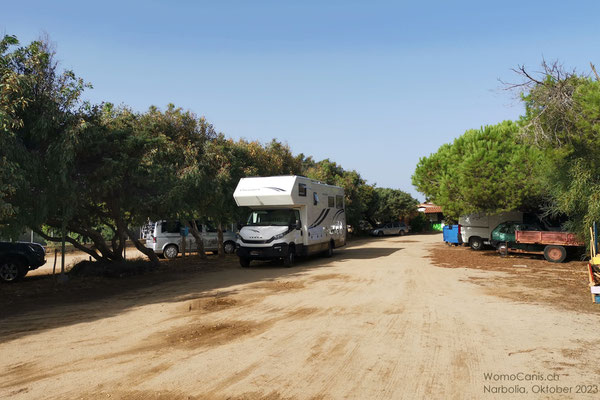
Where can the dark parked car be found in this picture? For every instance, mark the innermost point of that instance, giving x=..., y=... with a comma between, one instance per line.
x=505, y=232
x=18, y=258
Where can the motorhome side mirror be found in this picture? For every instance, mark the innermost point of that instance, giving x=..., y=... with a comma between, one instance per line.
x=298, y=225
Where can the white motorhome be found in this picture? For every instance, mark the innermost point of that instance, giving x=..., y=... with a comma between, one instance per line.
x=476, y=229
x=291, y=216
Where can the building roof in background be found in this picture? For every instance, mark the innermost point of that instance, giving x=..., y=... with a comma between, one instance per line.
x=429, y=208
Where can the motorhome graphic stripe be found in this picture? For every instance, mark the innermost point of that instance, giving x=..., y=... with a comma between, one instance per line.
x=321, y=219
x=338, y=213
x=314, y=223
x=275, y=188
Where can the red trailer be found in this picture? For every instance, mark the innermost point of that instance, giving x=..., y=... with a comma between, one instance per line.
x=549, y=243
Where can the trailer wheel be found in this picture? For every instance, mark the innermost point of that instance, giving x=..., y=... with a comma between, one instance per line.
x=380, y=233
x=555, y=254
x=476, y=243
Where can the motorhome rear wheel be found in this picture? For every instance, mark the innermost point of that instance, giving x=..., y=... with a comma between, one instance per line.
x=329, y=252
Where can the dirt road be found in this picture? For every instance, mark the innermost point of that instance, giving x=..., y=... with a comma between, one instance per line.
x=377, y=321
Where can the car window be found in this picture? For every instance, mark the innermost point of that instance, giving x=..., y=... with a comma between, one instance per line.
x=171, y=227
x=208, y=227
x=506, y=228
x=297, y=215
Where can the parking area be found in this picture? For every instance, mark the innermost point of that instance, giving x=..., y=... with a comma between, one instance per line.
x=397, y=317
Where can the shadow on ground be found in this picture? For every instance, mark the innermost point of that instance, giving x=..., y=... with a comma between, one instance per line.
x=40, y=303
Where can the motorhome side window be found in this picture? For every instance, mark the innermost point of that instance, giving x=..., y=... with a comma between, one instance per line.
x=330, y=201
x=171, y=227
x=315, y=198
x=302, y=189
x=340, y=201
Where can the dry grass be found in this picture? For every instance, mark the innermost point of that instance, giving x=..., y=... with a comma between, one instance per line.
x=529, y=279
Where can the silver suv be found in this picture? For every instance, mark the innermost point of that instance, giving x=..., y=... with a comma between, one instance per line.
x=391, y=228
x=164, y=237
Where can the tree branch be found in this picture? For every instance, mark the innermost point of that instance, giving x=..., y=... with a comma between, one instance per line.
x=145, y=250
x=595, y=73
x=74, y=242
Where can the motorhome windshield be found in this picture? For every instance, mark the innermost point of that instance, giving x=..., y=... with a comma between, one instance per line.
x=280, y=217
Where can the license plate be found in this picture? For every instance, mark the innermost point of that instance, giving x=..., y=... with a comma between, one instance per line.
x=254, y=253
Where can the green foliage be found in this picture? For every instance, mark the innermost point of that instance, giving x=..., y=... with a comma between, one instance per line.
x=96, y=171
x=484, y=170
x=393, y=205
x=358, y=194
x=419, y=223
x=551, y=113
x=230, y=161
x=88, y=169
x=40, y=119
x=363, y=201
x=563, y=119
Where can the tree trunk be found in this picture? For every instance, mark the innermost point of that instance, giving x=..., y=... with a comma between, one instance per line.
x=220, y=239
x=99, y=241
x=76, y=244
x=183, y=241
x=122, y=236
x=148, y=252
x=372, y=222
x=198, y=238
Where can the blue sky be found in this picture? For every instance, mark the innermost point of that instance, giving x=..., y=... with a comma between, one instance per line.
x=372, y=85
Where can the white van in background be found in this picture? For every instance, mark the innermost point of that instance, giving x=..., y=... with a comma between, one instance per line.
x=164, y=237
x=476, y=229
x=291, y=216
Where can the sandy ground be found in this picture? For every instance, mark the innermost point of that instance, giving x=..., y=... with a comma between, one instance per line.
x=377, y=321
